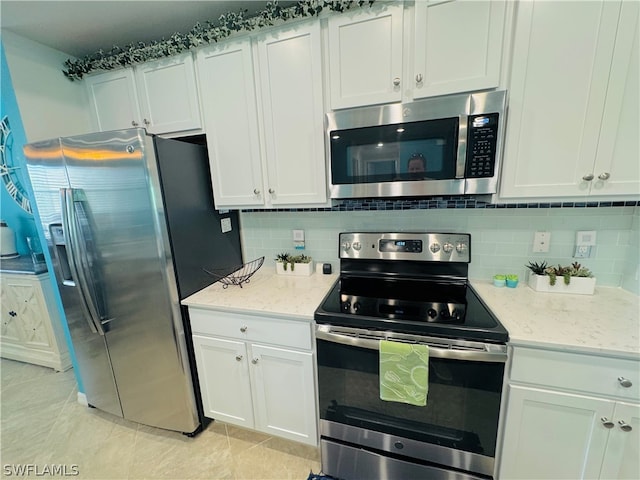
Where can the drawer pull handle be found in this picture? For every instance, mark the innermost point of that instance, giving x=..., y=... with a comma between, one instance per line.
x=625, y=382
x=624, y=426
x=255, y=360
x=239, y=358
x=607, y=423
x=243, y=328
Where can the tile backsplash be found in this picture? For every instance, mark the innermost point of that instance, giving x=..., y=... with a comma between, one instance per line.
x=501, y=239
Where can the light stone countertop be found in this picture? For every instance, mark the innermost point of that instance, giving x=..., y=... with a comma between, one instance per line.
x=287, y=296
x=605, y=323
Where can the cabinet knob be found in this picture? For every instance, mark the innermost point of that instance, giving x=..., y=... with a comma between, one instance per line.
x=396, y=81
x=625, y=382
x=256, y=191
x=134, y=123
x=604, y=176
x=588, y=177
x=243, y=328
x=419, y=78
x=146, y=122
x=607, y=423
x=255, y=360
x=239, y=358
x=12, y=313
x=624, y=426
x=272, y=191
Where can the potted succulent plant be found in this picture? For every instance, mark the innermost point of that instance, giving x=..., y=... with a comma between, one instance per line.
x=512, y=280
x=499, y=280
x=575, y=278
x=287, y=264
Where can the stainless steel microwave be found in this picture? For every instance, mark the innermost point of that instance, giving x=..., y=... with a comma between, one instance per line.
x=448, y=145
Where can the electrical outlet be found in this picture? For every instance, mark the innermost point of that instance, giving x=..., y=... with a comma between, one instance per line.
x=541, y=241
x=298, y=239
x=582, y=251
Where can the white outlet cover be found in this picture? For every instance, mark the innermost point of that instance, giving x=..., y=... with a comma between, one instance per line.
x=225, y=224
x=541, y=241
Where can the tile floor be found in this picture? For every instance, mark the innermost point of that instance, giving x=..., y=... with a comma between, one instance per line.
x=42, y=424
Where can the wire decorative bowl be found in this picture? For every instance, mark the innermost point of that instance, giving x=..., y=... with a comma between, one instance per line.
x=239, y=276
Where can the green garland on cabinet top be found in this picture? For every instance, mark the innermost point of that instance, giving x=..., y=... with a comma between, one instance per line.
x=202, y=34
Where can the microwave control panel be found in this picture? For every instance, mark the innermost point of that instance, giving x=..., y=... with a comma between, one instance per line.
x=482, y=135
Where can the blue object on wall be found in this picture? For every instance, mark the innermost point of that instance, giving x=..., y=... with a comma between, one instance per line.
x=12, y=207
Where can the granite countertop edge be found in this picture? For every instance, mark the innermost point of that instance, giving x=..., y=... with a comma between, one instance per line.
x=606, y=323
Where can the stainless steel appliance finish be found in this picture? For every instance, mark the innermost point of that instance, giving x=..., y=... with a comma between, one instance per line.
x=469, y=149
x=407, y=287
x=130, y=222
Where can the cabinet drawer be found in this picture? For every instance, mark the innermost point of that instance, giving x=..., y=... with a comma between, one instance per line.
x=572, y=371
x=289, y=333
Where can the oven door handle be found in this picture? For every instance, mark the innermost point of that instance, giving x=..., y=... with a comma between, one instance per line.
x=490, y=352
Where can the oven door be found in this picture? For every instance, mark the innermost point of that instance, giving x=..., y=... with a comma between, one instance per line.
x=455, y=432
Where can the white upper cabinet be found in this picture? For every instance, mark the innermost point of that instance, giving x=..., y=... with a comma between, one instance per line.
x=114, y=100
x=263, y=112
x=365, y=57
x=230, y=114
x=457, y=46
x=169, y=94
x=573, y=123
x=160, y=96
x=293, y=115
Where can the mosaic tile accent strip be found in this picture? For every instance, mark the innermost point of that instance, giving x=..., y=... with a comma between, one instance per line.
x=376, y=204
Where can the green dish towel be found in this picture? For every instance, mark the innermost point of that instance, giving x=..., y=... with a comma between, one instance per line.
x=404, y=372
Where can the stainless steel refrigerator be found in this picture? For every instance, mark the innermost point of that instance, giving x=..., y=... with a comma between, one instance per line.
x=130, y=223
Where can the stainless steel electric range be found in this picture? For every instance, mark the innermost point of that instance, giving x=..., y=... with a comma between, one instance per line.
x=412, y=288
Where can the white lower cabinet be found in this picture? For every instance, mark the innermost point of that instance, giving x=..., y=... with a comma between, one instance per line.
x=256, y=372
x=577, y=424
x=29, y=332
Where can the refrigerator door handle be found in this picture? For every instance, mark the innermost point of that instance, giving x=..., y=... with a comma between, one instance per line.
x=71, y=227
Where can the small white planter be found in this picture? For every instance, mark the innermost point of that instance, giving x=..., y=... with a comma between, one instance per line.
x=300, y=269
x=578, y=285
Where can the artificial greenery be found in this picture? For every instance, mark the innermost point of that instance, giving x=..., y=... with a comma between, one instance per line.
x=288, y=259
x=202, y=34
x=573, y=270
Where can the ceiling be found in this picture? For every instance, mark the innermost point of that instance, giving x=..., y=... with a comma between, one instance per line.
x=79, y=28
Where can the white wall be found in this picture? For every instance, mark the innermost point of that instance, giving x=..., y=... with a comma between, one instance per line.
x=50, y=104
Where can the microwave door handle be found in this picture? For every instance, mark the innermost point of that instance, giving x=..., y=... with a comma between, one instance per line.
x=434, y=352
x=70, y=226
x=463, y=143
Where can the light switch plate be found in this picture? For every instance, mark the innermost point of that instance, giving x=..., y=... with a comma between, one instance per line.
x=225, y=224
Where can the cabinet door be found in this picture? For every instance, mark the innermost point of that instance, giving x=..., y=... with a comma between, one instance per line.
x=552, y=435
x=365, y=57
x=617, y=169
x=284, y=393
x=114, y=100
x=223, y=375
x=10, y=329
x=32, y=313
x=230, y=114
x=169, y=95
x=457, y=46
x=622, y=457
x=291, y=88
x=560, y=69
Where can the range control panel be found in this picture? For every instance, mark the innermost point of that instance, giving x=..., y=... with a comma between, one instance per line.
x=415, y=246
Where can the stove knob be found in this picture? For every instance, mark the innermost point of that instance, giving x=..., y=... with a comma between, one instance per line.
x=461, y=247
x=447, y=247
x=346, y=246
x=356, y=246
x=444, y=314
x=432, y=313
x=356, y=307
x=346, y=306
x=434, y=247
x=456, y=315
